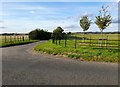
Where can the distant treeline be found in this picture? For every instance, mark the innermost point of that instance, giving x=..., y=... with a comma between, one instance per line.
x=71, y=32
x=14, y=34
x=96, y=33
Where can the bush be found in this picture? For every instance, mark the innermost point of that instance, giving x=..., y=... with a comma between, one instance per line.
x=39, y=34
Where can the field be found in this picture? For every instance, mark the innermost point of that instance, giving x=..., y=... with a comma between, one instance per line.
x=11, y=40
x=107, y=40
x=97, y=36
x=84, y=49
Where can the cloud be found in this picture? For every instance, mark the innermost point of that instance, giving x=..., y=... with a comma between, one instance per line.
x=26, y=17
x=71, y=26
x=1, y=21
x=4, y=14
x=87, y=14
x=21, y=6
x=116, y=20
x=2, y=27
x=77, y=18
x=58, y=0
x=32, y=12
x=117, y=0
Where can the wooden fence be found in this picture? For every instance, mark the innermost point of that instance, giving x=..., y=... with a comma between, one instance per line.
x=13, y=38
x=77, y=42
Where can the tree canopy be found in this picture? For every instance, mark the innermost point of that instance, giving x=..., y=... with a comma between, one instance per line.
x=39, y=34
x=57, y=33
x=104, y=19
x=85, y=23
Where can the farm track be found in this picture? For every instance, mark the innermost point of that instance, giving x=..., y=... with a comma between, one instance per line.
x=22, y=66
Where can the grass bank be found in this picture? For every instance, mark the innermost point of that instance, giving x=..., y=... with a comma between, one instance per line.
x=85, y=53
x=13, y=43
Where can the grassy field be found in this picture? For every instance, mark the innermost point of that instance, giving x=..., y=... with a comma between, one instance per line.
x=110, y=40
x=14, y=40
x=83, y=52
x=97, y=36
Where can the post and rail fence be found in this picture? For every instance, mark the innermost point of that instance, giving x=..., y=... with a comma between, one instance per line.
x=13, y=38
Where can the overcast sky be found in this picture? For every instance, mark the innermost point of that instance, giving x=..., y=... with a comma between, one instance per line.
x=22, y=17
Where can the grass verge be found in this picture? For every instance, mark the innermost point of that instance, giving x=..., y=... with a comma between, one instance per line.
x=17, y=43
x=85, y=53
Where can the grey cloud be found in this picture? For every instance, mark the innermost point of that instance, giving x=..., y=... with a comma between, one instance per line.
x=71, y=27
x=119, y=12
x=2, y=27
x=77, y=17
x=1, y=21
x=116, y=20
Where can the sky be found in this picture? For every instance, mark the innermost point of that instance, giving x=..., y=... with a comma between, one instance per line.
x=22, y=17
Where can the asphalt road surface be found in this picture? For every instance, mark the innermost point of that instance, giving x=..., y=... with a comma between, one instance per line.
x=22, y=66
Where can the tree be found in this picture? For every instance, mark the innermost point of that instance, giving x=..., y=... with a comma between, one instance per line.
x=39, y=34
x=69, y=33
x=104, y=19
x=57, y=34
x=85, y=23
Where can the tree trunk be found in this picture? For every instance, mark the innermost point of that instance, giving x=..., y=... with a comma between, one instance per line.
x=53, y=40
x=101, y=37
x=84, y=36
x=56, y=41
x=59, y=41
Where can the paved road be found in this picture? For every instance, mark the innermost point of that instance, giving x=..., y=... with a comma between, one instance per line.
x=21, y=66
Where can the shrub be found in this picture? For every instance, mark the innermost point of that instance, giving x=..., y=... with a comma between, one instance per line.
x=39, y=34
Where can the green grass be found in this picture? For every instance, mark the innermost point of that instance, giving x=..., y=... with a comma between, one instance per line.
x=14, y=40
x=13, y=43
x=84, y=53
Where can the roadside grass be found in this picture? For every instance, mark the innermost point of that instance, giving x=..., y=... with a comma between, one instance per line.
x=13, y=43
x=84, y=53
x=12, y=40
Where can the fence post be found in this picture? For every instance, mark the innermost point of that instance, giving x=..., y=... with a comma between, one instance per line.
x=10, y=38
x=90, y=40
x=15, y=37
x=100, y=41
x=5, y=38
x=23, y=38
x=20, y=38
x=75, y=42
x=106, y=41
x=65, y=42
